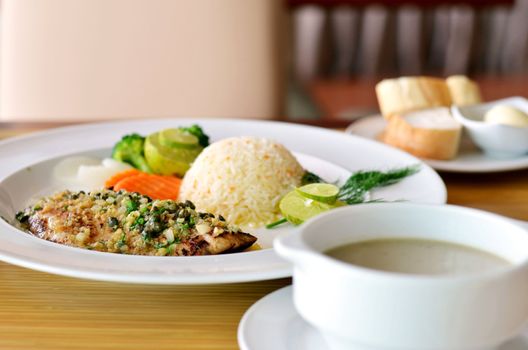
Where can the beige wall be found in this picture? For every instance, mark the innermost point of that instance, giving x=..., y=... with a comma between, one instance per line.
x=109, y=59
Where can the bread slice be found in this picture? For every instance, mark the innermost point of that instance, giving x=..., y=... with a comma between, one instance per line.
x=405, y=94
x=431, y=133
x=463, y=90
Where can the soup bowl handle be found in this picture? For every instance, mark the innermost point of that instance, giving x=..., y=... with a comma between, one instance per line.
x=292, y=248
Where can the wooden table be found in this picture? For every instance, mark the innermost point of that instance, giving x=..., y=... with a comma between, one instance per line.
x=43, y=311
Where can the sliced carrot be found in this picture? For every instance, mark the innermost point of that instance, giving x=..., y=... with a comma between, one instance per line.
x=111, y=182
x=154, y=186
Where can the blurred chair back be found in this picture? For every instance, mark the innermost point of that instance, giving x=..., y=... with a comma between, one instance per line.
x=360, y=38
x=81, y=60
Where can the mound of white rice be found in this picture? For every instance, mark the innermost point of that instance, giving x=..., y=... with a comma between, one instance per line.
x=242, y=179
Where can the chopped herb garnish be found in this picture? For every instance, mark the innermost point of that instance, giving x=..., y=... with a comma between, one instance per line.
x=277, y=223
x=159, y=211
x=131, y=206
x=159, y=245
x=138, y=223
x=122, y=240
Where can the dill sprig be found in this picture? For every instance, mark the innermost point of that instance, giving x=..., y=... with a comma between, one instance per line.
x=356, y=188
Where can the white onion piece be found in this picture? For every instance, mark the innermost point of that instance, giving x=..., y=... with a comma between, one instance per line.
x=94, y=176
x=66, y=170
x=114, y=164
x=86, y=173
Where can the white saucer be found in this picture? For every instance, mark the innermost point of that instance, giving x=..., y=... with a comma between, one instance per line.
x=469, y=160
x=273, y=323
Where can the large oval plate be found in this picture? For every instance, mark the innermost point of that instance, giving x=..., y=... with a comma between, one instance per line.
x=25, y=172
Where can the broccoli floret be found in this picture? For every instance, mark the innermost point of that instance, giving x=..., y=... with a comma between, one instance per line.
x=197, y=131
x=130, y=150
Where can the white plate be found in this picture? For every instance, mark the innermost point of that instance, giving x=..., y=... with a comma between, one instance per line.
x=27, y=162
x=469, y=160
x=273, y=323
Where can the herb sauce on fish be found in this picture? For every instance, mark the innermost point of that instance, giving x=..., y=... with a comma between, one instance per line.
x=130, y=223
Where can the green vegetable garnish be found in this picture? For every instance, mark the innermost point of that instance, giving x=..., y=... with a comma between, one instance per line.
x=277, y=223
x=169, y=160
x=315, y=198
x=324, y=193
x=359, y=184
x=169, y=152
x=297, y=208
x=197, y=131
x=178, y=138
x=130, y=150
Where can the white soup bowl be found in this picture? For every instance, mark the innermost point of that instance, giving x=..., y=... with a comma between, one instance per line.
x=363, y=309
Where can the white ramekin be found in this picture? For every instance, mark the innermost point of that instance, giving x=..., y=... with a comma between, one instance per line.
x=499, y=141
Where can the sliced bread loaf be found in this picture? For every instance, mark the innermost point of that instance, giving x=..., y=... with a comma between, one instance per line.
x=463, y=90
x=430, y=133
x=401, y=95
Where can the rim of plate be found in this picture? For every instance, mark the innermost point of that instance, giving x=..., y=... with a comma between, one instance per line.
x=23, y=151
x=280, y=296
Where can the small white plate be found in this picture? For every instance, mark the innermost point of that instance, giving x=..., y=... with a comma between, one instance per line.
x=469, y=160
x=273, y=323
x=26, y=172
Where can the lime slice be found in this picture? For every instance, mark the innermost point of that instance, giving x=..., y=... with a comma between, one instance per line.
x=168, y=161
x=297, y=208
x=326, y=193
x=177, y=138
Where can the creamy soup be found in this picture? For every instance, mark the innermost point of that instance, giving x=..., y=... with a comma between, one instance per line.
x=417, y=256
